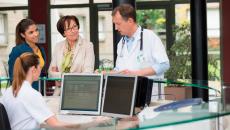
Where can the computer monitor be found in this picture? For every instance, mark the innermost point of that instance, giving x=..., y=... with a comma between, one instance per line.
x=144, y=91
x=119, y=96
x=81, y=93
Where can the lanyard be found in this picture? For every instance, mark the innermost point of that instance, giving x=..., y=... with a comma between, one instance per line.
x=123, y=43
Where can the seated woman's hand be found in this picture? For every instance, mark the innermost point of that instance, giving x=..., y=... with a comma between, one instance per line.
x=58, y=83
x=103, y=119
x=129, y=122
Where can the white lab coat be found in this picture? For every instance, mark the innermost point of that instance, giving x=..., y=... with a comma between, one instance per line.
x=152, y=55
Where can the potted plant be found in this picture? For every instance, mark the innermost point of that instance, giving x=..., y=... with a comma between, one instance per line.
x=180, y=64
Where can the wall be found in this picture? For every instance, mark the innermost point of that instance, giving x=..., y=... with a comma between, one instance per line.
x=225, y=41
x=38, y=11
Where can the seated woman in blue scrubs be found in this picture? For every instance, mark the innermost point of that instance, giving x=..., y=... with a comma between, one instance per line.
x=27, y=36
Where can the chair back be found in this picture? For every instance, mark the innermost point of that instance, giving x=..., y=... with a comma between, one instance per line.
x=4, y=120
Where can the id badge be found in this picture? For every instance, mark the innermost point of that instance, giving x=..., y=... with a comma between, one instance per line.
x=142, y=61
x=140, y=57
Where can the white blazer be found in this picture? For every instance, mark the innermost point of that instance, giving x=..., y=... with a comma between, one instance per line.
x=83, y=59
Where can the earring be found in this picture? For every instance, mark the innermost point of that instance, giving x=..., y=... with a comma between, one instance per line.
x=32, y=77
x=22, y=35
x=33, y=72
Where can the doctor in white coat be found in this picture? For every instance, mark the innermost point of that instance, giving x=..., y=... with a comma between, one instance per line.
x=140, y=51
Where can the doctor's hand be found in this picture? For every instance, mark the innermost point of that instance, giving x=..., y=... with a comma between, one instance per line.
x=97, y=71
x=128, y=72
x=141, y=72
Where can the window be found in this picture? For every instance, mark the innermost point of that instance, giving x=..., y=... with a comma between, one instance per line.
x=10, y=3
x=3, y=29
x=101, y=28
x=105, y=29
x=153, y=19
x=213, y=27
x=82, y=22
x=151, y=0
x=66, y=2
x=213, y=33
x=8, y=21
x=102, y=1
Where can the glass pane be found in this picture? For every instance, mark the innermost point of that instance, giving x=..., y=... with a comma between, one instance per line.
x=81, y=13
x=213, y=33
x=102, y=1
x=8, y=22
x=180, y=52
x=66, y=2
x=105, y=29
x=9, y=3
x=213, y=24
x=182, y=13
x=153, y=19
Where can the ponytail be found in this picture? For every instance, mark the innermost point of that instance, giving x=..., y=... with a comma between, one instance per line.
x=19, y=76
x=21, y=67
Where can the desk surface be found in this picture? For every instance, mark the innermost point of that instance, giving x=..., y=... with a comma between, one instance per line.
x=206, y=111
x=151, y=119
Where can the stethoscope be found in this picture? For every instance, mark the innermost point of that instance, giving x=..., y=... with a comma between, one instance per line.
x=123, y=43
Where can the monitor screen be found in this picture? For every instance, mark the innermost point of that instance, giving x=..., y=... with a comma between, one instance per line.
x=119, y=95
x=81, y=93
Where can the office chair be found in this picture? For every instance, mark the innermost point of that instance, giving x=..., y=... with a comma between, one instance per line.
x=4, y=120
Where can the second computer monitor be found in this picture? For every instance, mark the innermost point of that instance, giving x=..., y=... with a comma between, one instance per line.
x=119, y=96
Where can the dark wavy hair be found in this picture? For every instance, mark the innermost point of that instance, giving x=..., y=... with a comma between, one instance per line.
x=21, y=28
x=61, y=23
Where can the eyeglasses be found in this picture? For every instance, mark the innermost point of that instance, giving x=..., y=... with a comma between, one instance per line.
x=75, y=27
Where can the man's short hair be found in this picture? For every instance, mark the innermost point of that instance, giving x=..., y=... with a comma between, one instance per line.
x=126, y=10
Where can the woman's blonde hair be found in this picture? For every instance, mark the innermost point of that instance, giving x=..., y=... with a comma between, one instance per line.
x=21, y=67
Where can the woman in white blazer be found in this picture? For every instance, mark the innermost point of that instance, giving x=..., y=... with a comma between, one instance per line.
x=74, y=54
